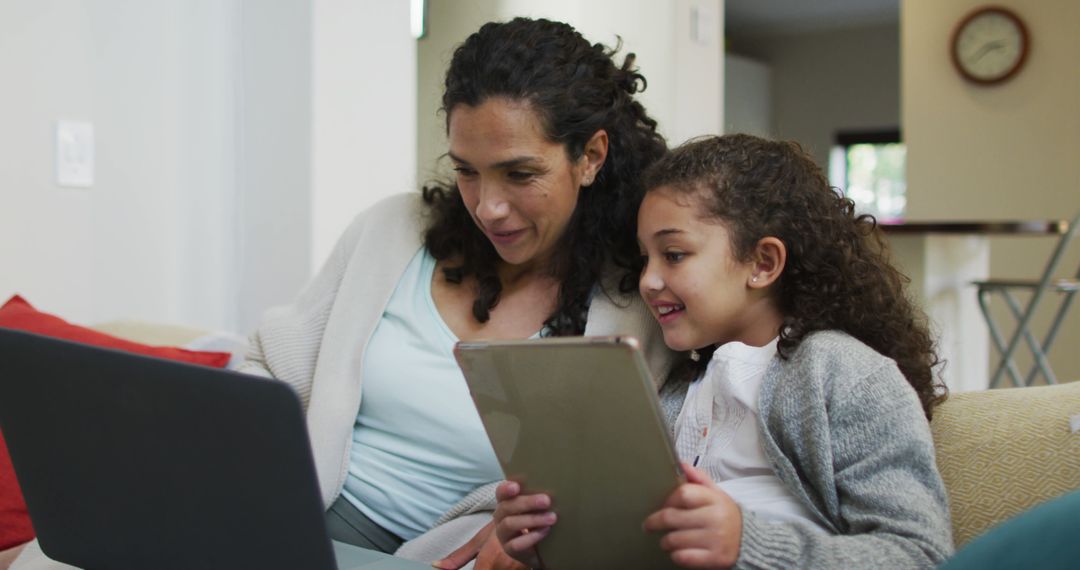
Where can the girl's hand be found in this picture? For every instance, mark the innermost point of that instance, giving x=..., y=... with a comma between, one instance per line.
x=702, y=522
x=521, y=521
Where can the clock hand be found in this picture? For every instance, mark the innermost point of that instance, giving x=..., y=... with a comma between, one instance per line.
x=985, y=49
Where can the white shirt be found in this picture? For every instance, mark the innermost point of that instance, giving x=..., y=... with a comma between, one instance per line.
x=717, y=431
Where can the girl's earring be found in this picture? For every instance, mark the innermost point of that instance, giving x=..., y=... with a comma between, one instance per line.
x=754, y=279
x=694, y=355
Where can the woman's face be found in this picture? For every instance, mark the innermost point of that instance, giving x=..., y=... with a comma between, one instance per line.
x=519, y=187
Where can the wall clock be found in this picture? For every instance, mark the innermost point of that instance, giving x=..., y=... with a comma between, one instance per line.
x=990, y=45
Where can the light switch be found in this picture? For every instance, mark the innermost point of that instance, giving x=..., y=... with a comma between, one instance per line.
x=75, y=154
x=703, y=24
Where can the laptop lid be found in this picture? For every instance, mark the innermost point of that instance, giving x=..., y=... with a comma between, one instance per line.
x=578, y=418
x=127, y=461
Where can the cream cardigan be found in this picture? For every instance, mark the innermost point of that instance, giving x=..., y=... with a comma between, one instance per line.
x=317, y=344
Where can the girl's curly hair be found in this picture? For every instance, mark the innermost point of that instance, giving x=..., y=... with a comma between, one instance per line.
x=838, y=275
x=576, y=90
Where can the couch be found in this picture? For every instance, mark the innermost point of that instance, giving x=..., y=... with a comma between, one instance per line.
x=1000, y=452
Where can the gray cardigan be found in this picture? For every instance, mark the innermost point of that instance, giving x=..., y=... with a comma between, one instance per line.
x=846, y=433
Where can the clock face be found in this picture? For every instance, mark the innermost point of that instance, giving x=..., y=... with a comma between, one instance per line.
x=990, y=45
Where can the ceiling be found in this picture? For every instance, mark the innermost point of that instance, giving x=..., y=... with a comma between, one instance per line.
x=774, y=17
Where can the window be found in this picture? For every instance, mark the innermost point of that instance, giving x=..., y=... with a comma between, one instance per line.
x=869, y=167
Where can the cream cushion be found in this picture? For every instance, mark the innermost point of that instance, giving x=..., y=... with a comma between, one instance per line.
x=190, y=338
x=1004, y=451
x=156, y=334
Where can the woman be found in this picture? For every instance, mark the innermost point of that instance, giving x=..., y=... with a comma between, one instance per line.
x=534, y=238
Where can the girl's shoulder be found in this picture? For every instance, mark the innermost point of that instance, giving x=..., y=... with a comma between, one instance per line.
x=834, y=346
x=833, y=377
x=832, y=361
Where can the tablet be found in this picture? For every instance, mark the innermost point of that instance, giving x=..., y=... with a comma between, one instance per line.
x=578, y=418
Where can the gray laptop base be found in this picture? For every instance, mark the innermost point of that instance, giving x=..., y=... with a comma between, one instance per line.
x=348, y=557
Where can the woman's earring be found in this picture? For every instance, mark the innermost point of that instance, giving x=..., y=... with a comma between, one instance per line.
x=694, y=355
x=754, y=279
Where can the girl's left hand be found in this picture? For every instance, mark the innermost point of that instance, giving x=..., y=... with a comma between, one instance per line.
x=702, y=522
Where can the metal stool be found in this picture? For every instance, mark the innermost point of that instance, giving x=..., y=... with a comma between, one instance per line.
x=1023, y=315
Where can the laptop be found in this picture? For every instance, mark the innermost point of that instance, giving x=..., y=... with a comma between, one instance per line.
x=578, y=418
x=127, y=461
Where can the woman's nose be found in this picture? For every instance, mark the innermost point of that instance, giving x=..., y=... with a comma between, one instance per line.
x=492, y=205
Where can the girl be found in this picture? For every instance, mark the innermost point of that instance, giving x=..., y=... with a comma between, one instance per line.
x=808, y=387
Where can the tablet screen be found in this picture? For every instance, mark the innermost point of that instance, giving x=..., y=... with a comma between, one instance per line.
x=578, y=418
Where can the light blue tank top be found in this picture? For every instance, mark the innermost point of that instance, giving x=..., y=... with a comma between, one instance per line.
x=418, y=445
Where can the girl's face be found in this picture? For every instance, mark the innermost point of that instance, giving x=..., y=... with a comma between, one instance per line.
x=519, y=187
x=700, y=294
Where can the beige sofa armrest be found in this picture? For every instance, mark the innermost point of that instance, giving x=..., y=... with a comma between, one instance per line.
x=1001, y=452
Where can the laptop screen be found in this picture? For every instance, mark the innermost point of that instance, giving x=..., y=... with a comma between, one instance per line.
x=128, y=461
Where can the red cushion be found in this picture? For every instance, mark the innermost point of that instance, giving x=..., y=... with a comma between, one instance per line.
x=15, y=525
x=18, y=314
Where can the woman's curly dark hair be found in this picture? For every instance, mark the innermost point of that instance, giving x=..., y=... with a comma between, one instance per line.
x=838, y=275
x=576, y=90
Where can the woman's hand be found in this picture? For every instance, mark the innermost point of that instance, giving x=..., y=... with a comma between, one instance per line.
x=485, y=548
x=521, y=521
x=702, y=522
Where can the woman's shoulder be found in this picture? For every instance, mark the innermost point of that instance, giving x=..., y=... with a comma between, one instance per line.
x=393, y=207
x=400, y=212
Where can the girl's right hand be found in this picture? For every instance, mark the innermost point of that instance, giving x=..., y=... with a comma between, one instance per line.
x=702, y=524
x=521, y=521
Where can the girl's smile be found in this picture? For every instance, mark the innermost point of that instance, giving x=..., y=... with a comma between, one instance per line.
x=667, y=312
x=695, y=286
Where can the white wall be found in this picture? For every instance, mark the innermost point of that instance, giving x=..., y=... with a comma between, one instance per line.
x=146, y=239
x=697, y=94
x=364, y=112
x=449, y=23
x=234, y=139
x=747, y=96
x=329, y=128
x=822, y=82
x=273, y=229
x=1002, y=152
